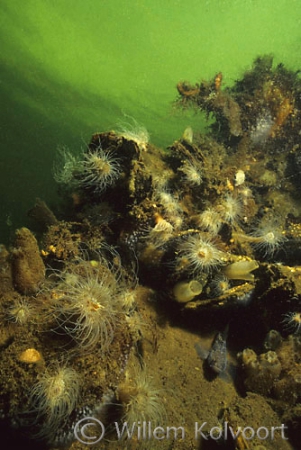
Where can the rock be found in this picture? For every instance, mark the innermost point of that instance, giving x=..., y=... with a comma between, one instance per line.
x=27, y=265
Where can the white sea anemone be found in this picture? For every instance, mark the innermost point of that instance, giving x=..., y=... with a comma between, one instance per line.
x=210, y=220
x=141, y=400
x=20, y=311
x=292, y=322
x=219, y=285
x=192, y=173
x=268, y=239
x=198, y=254
x=87, y=305
x=230, y=208
x=65, y=165
x=55, y=396
x=136, y=133
x=99, y=170
x=94, y=169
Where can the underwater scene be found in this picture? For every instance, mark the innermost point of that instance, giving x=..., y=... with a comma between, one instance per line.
x=150, y=284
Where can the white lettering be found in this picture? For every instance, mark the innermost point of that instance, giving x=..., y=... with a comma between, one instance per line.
x=158, y=430
x=175, y=434
x=233, y=433
x=250, y=435
x=198, y=431
x=216, y=433
x=282, y=431
x=125, y=430
x=266, y=431
x=273, y=429
x=144, y=430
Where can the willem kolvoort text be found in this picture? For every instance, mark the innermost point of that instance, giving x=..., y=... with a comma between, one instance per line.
x=146, y=431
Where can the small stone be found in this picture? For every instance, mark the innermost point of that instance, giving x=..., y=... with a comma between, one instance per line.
x=30, y=355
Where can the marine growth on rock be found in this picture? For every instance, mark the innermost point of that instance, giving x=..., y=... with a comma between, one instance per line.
x=201, y=236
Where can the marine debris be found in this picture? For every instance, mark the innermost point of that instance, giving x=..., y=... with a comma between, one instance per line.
x=150, y=243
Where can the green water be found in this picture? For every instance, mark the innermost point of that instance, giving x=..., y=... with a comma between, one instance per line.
x=70, y=68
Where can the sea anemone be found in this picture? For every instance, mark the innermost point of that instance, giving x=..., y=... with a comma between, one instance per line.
x=219, y=285
x=198, y=253
x=95, y=169
x=141, y=400
x=173, y=212
x=210, y=220
x=20, y=311
x=87, y=304
x=128, y=299
x=192, y=173
x=266, y=239
x=66, y=164
x=161, y=232
x=99, y=170
x=136, y=133
x=168, y=201
x=230, y=209
x=292, y=322
x=54, y=397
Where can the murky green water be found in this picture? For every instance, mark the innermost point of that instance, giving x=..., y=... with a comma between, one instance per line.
x=69, y=69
